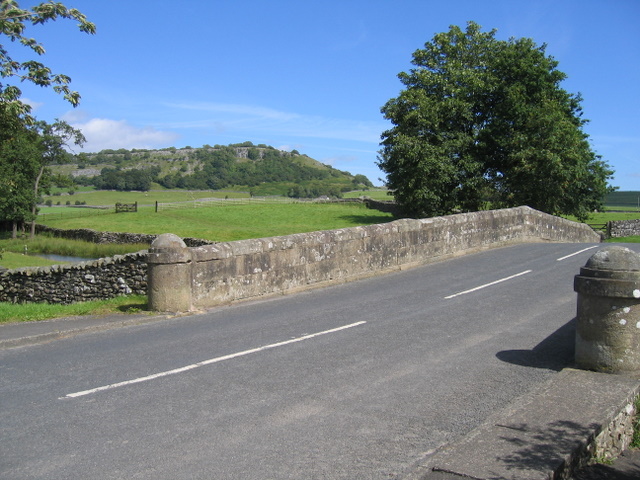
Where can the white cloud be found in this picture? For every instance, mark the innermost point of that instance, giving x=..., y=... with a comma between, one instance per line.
x=103, y=133
x=33, y=104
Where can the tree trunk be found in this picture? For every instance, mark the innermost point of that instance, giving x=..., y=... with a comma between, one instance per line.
x=35, y=203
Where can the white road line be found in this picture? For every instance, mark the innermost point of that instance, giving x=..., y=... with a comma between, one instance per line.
x=488, y=284
x=576, y=253
x=208, y=362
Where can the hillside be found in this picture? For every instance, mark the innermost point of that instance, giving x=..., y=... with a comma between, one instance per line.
x=261, y=169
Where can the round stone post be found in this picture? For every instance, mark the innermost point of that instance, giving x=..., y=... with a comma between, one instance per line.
x=169, y=274
x=608, y=322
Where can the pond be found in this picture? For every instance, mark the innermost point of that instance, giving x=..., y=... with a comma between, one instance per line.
x=63, y=258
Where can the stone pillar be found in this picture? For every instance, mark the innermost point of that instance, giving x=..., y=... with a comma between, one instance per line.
x=608, y=322
x=169, y=274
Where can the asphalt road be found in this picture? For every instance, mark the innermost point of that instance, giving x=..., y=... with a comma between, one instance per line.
x=356, y=381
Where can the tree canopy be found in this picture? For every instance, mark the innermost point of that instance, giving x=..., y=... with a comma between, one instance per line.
x=13, y=21
x=485, y=123
x=26, y=154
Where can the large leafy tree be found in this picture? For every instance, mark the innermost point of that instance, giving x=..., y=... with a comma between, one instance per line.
x=26, y=153
x=483, y=122
x=18, y=150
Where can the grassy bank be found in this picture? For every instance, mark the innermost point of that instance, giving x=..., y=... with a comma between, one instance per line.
x=45, y=244
x=12, y=313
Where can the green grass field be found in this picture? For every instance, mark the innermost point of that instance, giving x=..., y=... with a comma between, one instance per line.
x=110, y=198
x=623, y=200
x=607, y=216
x=226, y=223
x=15, y=249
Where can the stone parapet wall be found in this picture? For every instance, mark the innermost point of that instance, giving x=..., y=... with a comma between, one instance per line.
x=624, y=228
x=229, y=271
x=96, y=280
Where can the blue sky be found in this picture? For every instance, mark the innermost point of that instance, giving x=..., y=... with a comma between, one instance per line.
x=312, y=76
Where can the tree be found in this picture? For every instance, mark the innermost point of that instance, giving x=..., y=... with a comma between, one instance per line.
x=483, y=122
x=360, y=179
x=18, y=150
x=50, y=141
x=13, y=21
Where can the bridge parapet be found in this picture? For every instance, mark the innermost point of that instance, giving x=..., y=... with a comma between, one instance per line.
x=224, y=272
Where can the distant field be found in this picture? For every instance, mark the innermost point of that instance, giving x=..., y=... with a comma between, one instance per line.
x=110, y=198
x=224, y=223
x=625, y=200
x=607, y=216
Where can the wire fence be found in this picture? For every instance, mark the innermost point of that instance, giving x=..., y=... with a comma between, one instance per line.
x=225, y=202
x=72, y=212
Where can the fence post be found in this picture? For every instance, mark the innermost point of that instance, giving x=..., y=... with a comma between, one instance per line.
x=169, y=274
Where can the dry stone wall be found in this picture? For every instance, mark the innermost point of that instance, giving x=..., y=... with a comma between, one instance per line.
x=624, y=228
x=94, y=236
x=100, y=279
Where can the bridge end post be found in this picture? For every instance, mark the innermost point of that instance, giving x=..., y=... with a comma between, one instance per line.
x=608, y=312
x=169, y=274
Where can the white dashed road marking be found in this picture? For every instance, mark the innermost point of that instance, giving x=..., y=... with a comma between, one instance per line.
x=208, y=362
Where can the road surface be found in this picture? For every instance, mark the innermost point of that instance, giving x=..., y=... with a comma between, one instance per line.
x=354, y=381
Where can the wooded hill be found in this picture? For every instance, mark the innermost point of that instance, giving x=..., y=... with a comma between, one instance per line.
x=261, y=169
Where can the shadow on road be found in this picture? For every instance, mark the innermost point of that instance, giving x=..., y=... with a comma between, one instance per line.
x=554, y=353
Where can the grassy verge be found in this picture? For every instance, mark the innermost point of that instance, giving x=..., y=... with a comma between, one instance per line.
x=12, y=313
x=17, y=260
x=44, y=244
x=635, y=239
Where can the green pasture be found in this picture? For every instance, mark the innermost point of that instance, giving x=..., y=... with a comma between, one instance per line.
x=15, y=249
x=629, y=200
x=17, y=260
x=90, y=196
x=110, y=198
x=608, y=216
x=227, y=223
